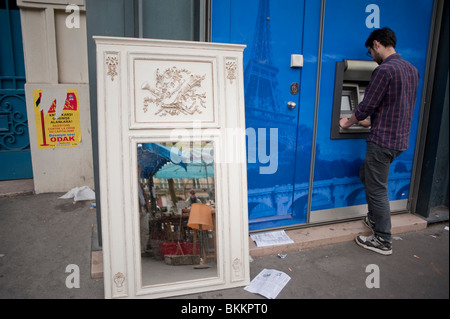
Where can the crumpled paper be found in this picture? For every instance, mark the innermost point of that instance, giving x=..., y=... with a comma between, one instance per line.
x=80, y=193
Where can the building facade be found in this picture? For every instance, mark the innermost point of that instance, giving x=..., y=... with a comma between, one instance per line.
x=55, y=71
x=299, y=172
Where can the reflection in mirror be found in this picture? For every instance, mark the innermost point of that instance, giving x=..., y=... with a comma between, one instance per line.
x=177, y=211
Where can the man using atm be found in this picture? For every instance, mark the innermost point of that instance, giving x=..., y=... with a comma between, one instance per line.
x=389, y=101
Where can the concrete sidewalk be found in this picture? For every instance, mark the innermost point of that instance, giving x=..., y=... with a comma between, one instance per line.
x=40, y=235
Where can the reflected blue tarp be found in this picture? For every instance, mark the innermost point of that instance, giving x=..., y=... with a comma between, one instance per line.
x=153, y=156
x=192, y=170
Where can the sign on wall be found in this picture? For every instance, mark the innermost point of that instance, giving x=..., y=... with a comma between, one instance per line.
x=57, y=123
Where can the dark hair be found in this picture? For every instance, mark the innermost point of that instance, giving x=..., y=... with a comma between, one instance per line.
x=385, y=36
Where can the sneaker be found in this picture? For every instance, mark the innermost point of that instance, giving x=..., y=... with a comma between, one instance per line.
x=375, y=243
x=368, y=223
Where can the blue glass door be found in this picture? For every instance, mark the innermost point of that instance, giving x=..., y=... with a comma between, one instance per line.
x=278, y=113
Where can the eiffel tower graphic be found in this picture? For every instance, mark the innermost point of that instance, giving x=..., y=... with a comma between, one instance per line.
x=260, y=74
x=264, y=108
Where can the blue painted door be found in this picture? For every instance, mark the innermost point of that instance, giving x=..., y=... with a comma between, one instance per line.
x=15, y=156
x=272, y=33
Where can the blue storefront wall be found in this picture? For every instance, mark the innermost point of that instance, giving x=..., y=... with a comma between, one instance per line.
x=294, y=168
x=345, y=32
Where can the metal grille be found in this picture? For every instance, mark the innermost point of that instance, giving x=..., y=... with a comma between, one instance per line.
x=15, y=158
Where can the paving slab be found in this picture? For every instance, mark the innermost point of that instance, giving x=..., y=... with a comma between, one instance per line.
x=316, y=236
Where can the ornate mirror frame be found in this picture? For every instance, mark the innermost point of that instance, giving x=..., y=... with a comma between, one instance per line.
x=152, y=91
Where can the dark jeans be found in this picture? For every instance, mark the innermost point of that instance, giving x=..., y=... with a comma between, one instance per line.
x=374, y=175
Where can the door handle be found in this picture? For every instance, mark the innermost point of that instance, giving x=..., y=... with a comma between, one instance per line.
x=291, y=105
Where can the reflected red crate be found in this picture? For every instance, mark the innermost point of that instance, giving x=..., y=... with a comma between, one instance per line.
x=172, y=248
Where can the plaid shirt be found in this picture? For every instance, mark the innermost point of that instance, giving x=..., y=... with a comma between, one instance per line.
x=389, y=100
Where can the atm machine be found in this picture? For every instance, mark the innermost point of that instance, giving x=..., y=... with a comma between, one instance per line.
x=351, y=80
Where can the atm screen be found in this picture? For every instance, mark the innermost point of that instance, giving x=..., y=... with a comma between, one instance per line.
x=349, y=98
x=345, y=103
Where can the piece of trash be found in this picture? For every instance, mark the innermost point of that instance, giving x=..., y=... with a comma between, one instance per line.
x=436, y=269
x=415, y=256
x=268, y=283
x=282, y=256
x=250, y=259
x=93, y=205
x=446, y=228
x=397, y=238
x=278, y=237
x=289, y=269
x=79, y=194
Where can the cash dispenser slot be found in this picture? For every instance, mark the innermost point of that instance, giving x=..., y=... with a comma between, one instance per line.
x=351, y=80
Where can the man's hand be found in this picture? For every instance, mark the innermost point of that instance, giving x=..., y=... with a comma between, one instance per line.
x=365, y=123
x=346, y=123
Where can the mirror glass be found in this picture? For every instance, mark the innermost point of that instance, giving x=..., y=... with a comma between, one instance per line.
x=177, y=213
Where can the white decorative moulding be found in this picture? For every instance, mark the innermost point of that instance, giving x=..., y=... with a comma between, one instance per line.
x=173, y=92
x=188, y=98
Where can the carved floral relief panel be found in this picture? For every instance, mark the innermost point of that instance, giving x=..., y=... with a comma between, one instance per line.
x=173, y=91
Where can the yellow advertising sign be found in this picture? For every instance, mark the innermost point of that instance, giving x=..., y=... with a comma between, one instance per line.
x=63, y=131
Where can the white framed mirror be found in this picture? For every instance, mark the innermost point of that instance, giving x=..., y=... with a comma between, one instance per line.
x=172, y=167
x=177, y=238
